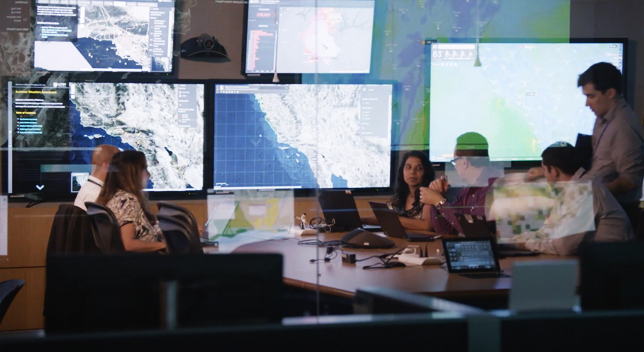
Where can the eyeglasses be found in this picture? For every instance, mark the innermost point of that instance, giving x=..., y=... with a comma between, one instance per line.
x=453, y=161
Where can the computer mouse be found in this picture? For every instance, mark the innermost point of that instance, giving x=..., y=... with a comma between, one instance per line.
x=394, y=265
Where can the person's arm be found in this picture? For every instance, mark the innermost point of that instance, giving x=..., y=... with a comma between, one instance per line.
x=621, y=185
x=132, y=244
x=534, y=174
x=422, y=224
x=627, y=154
x=566, y=245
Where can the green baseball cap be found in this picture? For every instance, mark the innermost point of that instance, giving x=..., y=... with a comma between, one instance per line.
x=471, y=141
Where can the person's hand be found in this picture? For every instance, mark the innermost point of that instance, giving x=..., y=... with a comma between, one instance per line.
x=439, y=185
x=201, y=229
x=429, y=196
x=534, y=173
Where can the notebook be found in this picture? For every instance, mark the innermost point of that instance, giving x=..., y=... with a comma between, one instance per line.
x=391, y=226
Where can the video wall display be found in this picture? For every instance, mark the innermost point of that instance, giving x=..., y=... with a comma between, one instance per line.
x=309, y=36
x=522, y=97
x=302, y=136
x=111, y=36
x=401, y=48
x=53, y=129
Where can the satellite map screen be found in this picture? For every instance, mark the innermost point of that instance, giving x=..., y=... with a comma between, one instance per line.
x=302, y=136
x=308, y=36
x=115, y=36
x=522, y=97
x=54, y=128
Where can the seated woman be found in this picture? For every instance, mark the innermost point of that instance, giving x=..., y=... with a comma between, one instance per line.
x=123, y=194
x=415, y=171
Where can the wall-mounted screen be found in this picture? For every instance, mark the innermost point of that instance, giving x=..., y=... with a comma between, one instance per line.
x=522, y=98
x=54, y=128
x=302, y=136
x=309, y=36
x=113, y=36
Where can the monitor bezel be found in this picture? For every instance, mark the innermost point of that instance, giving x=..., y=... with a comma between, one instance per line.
x=115, y=75
x=526, y=164
x=67, y=196
x=305, y=192
x=286, y=75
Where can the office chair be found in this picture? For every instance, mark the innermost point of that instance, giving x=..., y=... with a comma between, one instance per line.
x=177, y=235
x=182, y=214
x=71, y=232
x=105, y=228
x=8, y=291
x=639, y=231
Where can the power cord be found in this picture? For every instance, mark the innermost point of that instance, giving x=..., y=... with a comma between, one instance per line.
x=385, y=258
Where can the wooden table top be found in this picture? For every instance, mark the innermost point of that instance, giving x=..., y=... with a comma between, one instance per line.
x=343, y=279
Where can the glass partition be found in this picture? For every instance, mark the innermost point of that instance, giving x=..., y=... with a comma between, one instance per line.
x=329, y=131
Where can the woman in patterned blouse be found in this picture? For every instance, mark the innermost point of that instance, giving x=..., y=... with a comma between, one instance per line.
x=415, y=171
x=123, y=194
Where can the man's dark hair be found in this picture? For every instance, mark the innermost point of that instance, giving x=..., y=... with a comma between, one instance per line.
x=603, y=76
x=563, y=156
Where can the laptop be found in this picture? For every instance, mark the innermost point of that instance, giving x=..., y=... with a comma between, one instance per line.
x=340, y=208
x=472, y=257
x=476, y=226
x=391, y=226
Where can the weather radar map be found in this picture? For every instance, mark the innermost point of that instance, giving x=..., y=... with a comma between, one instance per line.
x=302, y=136
x=101, y=36
x=329, y=40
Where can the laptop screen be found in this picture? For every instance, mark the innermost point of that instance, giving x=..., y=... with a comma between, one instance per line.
x=470, y=255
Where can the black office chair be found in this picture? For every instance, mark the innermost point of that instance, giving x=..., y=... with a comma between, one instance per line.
x=71, y=232
x=8, y=291
x=182, y=214
x=177, y=236
x=639, y=231
x=105, y=228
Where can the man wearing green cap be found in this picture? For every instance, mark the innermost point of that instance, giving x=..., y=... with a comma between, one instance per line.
x=472, y=164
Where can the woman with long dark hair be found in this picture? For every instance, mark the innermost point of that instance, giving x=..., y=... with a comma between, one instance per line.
x=123, y=194
x=415, y=171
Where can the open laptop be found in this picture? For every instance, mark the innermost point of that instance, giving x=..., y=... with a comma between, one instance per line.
x=340, y=208
x=476, y=226
x=391, y=226
x=472, y=257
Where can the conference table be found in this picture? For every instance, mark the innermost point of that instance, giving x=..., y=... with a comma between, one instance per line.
x=341, y=279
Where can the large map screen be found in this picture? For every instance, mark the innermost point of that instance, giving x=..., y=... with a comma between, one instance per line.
x=302, y=136
x=54, y=128
x=306, y=36
x=127, y=36
x=522, y=97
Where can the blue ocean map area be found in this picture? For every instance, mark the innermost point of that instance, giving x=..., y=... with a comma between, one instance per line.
x=103, y=54
x=84, y=140
x=247, y=153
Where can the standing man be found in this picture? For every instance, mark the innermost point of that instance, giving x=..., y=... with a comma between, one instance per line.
x=618, y=139
x=100, y=163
